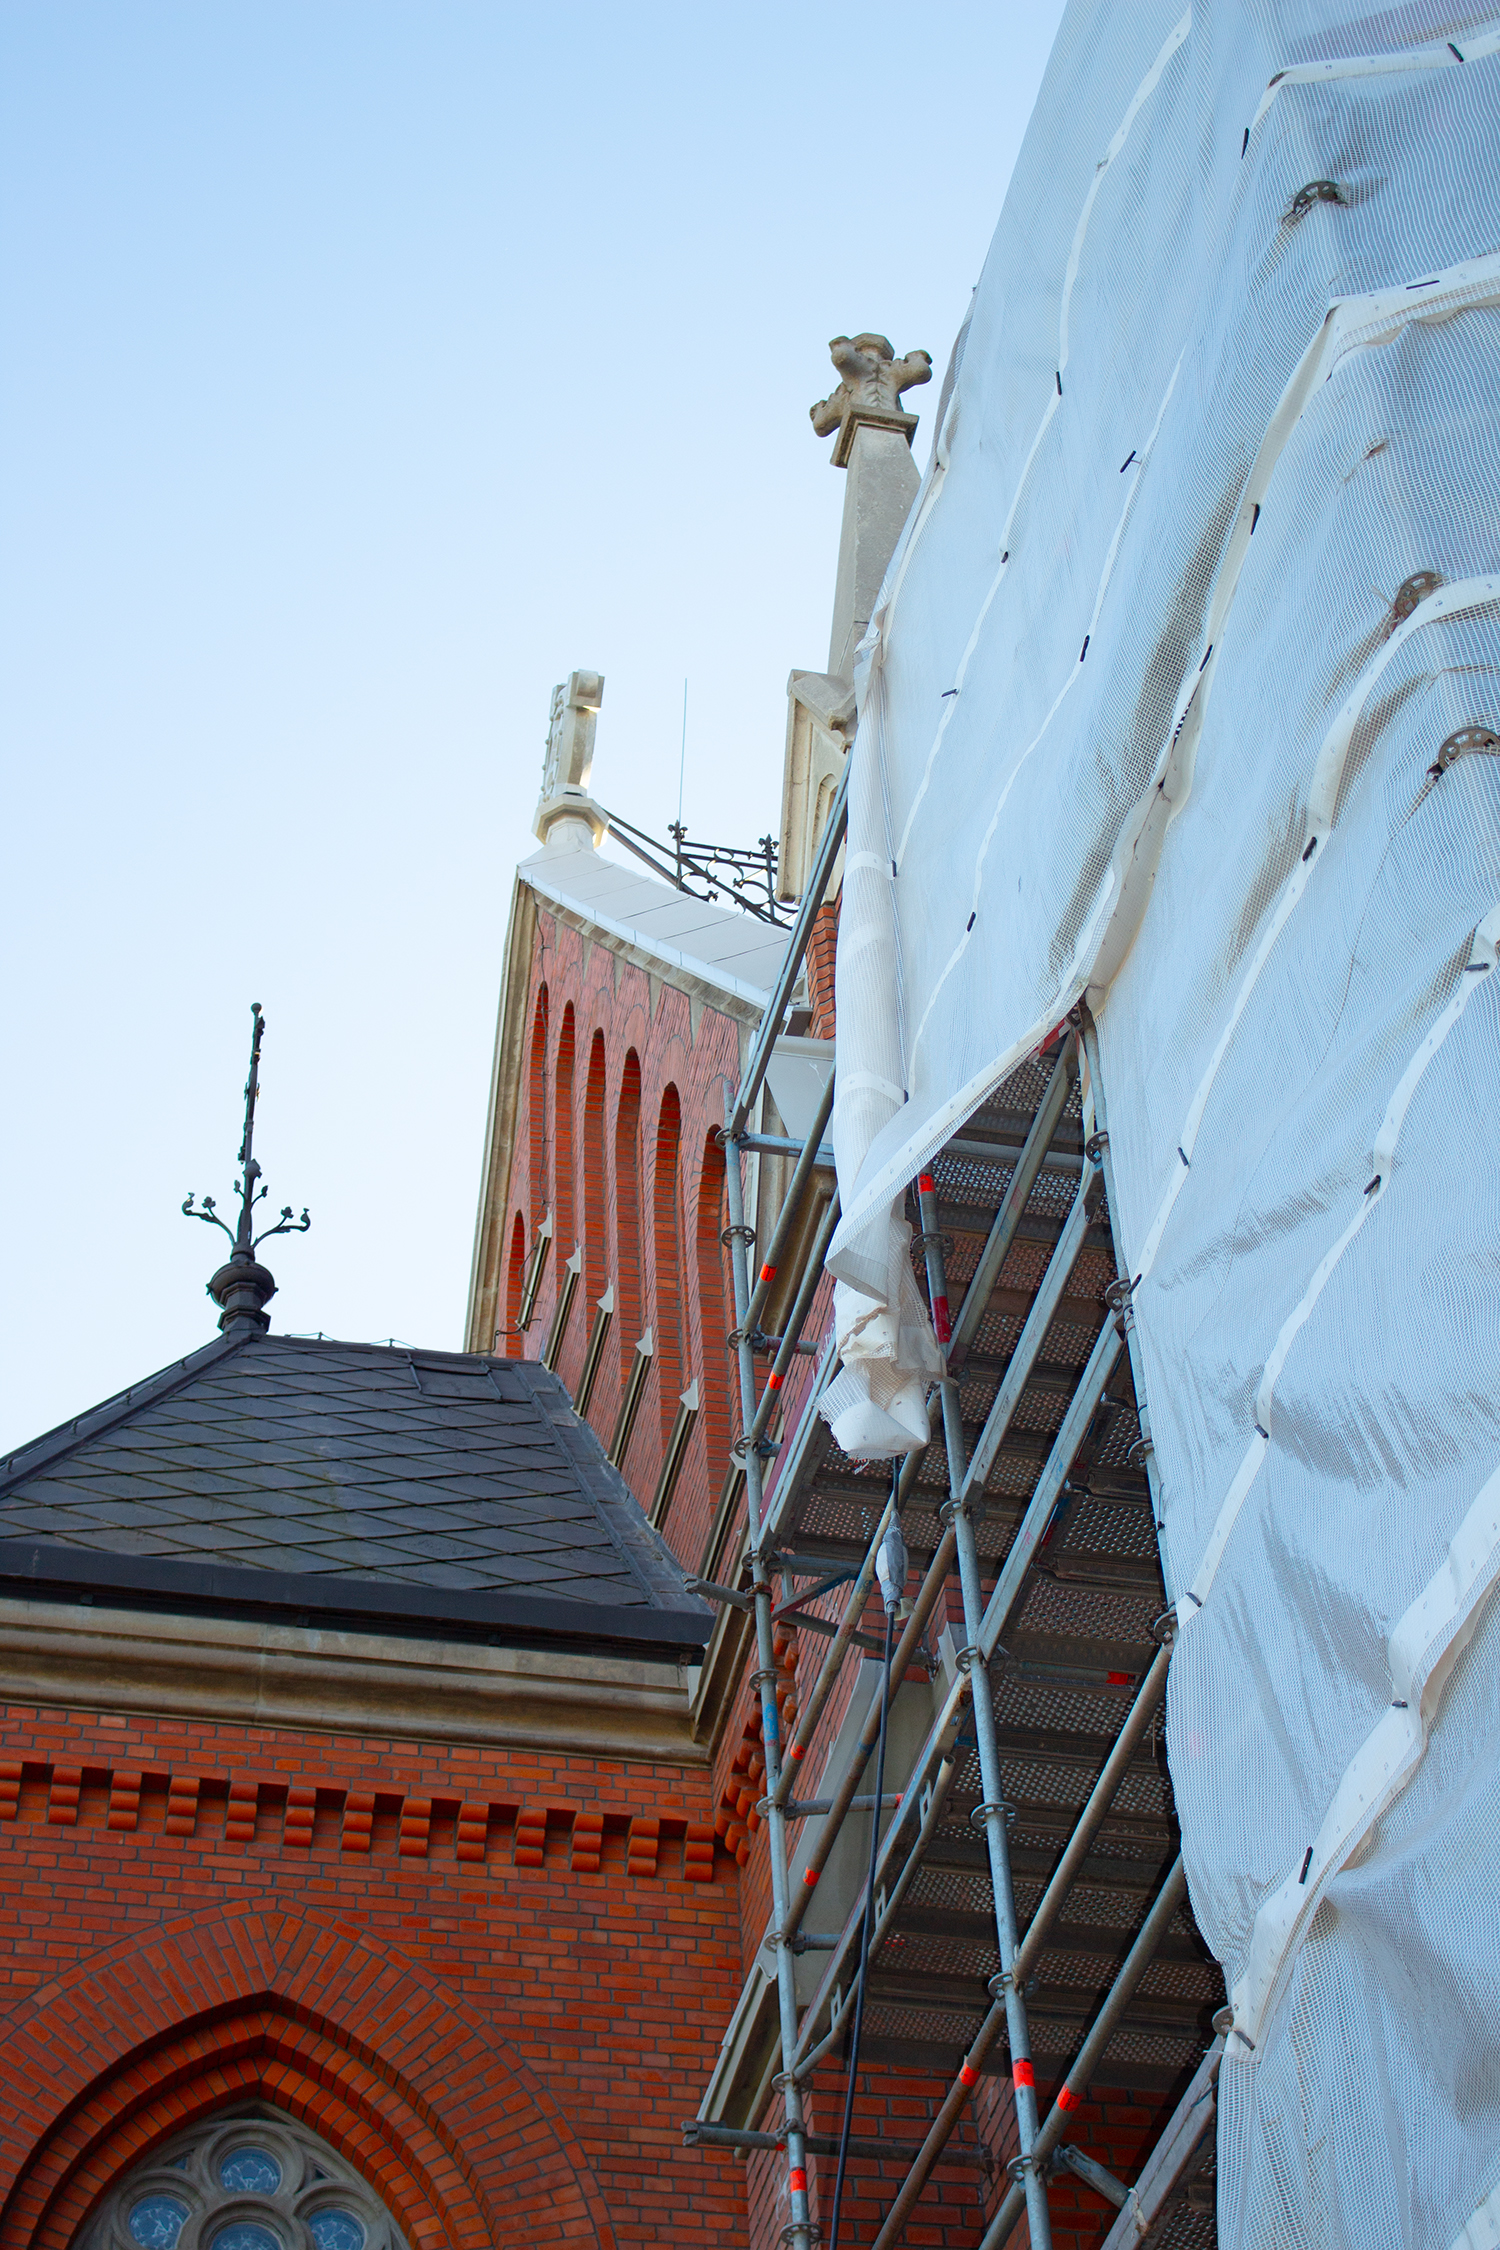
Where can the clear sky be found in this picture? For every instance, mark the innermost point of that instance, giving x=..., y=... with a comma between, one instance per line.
x=368, y=368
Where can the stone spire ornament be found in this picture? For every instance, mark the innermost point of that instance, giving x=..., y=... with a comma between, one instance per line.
x=870, y=394
x=874, y=448
x=243, y=1288
x=566, y=815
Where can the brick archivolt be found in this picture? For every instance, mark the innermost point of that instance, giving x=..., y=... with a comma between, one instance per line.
x=461, y=2141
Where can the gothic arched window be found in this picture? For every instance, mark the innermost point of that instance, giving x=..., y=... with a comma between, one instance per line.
x=246, y=2179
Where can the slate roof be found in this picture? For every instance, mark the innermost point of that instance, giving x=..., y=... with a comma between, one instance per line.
x=445, y=1489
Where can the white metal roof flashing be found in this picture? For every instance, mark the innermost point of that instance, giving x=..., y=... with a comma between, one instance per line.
x=680, y=937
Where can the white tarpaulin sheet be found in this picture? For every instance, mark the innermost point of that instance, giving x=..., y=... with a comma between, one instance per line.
x=1183, y=695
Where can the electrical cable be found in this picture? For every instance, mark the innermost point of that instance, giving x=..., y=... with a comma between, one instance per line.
x=890, y=1567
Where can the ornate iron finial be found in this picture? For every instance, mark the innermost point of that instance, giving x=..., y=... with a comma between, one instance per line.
x=243, y=1288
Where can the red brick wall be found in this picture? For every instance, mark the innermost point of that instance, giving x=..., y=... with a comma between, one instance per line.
x=822, y=950
x=629, y=1167
x=495, y=1980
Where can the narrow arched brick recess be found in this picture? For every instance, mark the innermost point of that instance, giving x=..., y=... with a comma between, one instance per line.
x=595, y=1178
x=562, y=1106
x=515, y=1283
x=102, y=2065
x=711, y=1218
x=629, y=1296
x=666, y=1241
x=537, y=1108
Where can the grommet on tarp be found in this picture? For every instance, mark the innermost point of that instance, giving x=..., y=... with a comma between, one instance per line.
x=1316, y=191
x=1409, y=593
x=1470, y=741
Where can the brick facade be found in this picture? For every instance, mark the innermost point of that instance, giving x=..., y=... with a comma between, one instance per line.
x=488, y=1978
x=624, y=1095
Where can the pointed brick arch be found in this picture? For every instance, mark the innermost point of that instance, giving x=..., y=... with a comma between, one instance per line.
x=461, y=2140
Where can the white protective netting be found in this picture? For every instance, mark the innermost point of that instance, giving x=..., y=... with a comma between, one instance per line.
x=1203, y=578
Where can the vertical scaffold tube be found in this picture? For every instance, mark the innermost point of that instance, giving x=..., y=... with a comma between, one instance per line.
x=960, y=1509
x=799, y=2235
x=1126, y=1291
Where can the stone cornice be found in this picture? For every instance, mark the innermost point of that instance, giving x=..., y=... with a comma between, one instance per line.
x=115, y=1659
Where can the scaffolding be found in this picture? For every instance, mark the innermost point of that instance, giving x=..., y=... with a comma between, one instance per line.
x=1030, y=1904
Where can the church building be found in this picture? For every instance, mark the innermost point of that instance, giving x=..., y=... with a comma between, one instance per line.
x=386, y=1750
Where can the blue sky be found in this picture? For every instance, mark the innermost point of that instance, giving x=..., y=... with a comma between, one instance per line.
x=369, y=368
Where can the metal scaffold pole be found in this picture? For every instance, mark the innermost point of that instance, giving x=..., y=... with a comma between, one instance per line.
x=799, y=2235
x=959, y=1511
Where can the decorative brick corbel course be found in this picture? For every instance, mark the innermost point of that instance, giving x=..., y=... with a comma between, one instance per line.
x=359, y=1820
x=301, y=1807
x=125, y=1801
x=476, y=1824
x=416, y=1827
x=645, y=1845
x=62, y=1802
x=531, y=1836
x=182, y=1803
x=587, y=1843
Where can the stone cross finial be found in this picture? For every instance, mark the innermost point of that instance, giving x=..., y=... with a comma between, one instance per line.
x=569, y=760
x=870, y=393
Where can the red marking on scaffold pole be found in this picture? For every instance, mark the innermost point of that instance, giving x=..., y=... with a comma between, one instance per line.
x=1022, y=2072
x=967, y=2074
x=926, y=1185
x=799, y=2180
x=774, y=1382
x=768, y=1273
x=941, y=1323
x=1067, y=2099
x=809, y=1876
x=797, y=1750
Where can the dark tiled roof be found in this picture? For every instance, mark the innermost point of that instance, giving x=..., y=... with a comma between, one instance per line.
x=424, y=1484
